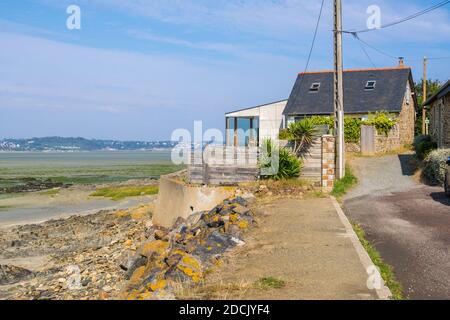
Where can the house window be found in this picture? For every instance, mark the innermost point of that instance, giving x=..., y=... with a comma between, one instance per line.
x=364, y=118
x=370, y=85
x=314, y=87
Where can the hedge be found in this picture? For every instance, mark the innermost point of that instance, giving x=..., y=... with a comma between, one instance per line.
x=435, y=164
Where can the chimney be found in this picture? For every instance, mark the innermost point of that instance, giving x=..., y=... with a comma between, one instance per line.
x=401, y=62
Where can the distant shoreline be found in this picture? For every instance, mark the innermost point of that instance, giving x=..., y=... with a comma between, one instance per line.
x=84, y=151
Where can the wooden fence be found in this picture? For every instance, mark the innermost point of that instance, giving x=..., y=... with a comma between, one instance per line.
x=223, y=165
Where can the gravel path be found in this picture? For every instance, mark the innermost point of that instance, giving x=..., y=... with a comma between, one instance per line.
x=407, y=222
x=382, y=175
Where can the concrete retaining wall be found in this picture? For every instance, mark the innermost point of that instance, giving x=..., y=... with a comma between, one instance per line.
x=178, y=199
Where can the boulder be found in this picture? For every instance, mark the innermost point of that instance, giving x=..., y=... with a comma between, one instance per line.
x=11, y=274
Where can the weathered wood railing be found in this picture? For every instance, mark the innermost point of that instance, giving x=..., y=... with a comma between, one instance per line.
x=223, y=165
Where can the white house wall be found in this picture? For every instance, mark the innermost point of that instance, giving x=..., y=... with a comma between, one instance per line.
x=270, y=118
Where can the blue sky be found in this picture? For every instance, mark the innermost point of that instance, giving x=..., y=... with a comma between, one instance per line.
x=139, y=69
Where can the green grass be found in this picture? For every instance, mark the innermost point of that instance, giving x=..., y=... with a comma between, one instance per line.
x=385, y=270
x=50, y=192
x=342, y=186
x=119, y=193
x=270, y=283
x=5, y=207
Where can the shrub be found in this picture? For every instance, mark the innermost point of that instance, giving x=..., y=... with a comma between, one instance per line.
x=423, y=146
x=284, y=135
x=352, y=129
x=289, y=166
x=382, y=122
x=323, y=120
x=352, y=126
x=302, y=134
x=435, y=163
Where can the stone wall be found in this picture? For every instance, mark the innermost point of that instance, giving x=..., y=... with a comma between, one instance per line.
x=328, y=162
x=406, y=119
x=352, y=147
x=440, y=122
x=390, y=142
x=446, y=122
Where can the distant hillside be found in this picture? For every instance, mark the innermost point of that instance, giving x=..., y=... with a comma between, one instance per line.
x=79, y=144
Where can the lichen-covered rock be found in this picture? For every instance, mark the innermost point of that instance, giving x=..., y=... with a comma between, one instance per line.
x=154, y=247
x=132, y=263
x=192, y=248
x=12, y=274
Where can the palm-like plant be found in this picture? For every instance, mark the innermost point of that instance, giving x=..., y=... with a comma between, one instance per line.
x=302, y=134
x=287, y=166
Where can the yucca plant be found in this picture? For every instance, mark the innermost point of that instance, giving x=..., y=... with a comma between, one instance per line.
x=289, y=166
x=302, y=134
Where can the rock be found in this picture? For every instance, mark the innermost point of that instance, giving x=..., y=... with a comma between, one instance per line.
x=132, y=263
x=128, y=243
x=107, y=289
x=150, y=248
x=216, y=243
x=138, y=276
x=240, y=200
x=11, y=274
x=193, y=219
x=192, y=267
x=85, y=282
x=160, y=234
x=240, y=209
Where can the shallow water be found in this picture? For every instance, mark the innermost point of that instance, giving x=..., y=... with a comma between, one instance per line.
x=28, y=213
x=78, y=168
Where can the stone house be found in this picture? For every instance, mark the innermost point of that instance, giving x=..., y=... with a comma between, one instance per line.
x=439, y=106
x=366, y=91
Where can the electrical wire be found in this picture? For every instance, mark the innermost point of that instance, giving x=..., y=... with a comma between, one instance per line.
x=313, y=42
x=315, y=36
x=410, y=17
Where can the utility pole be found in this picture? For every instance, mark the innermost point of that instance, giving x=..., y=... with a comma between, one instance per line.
x=424, y=96
x=338, y=92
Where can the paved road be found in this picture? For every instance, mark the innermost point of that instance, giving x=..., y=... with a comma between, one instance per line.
x=407, y=222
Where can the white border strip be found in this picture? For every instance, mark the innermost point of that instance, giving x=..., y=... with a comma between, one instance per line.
x=384, y=293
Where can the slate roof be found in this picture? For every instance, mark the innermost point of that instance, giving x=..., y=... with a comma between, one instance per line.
x=442, y=92
x=388, y=94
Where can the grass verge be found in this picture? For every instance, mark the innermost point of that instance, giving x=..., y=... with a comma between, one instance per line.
x=342, y=186
x=385, y=269
x=270, y=283
x=119, y=193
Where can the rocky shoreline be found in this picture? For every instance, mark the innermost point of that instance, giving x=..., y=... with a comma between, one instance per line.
x=121, y=255
x=116, y=254
x=30, y=185
x=78, y=257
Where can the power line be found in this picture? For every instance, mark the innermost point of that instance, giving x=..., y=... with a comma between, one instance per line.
x=365, y=51
x=438, y=58
x=315, y=36
x=410, y=17
x=313, y=42
x=357, y=37
x=374, y=48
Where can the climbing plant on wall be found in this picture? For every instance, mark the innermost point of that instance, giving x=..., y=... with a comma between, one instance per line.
x=382, y=121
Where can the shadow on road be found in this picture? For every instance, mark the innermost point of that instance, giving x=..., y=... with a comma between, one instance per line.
x=440, y=197
x=406, y=164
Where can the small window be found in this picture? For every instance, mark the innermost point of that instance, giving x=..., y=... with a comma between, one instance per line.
x=370, y=85
x=314, y=87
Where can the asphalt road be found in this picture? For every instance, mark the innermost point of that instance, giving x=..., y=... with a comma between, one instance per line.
x=408, y=223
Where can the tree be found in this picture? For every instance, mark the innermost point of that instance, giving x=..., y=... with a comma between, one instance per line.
x=432, y=87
